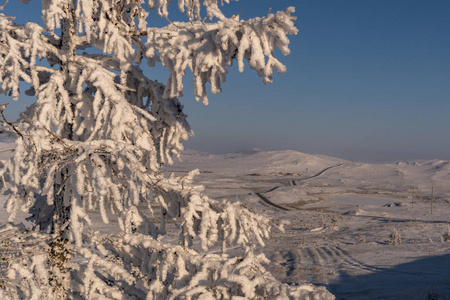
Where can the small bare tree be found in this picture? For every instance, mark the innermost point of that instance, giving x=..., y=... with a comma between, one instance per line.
x=395, y=238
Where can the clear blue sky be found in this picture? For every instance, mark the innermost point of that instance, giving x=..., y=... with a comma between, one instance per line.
x=367, y=80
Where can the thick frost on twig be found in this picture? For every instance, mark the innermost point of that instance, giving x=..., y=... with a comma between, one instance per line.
x=208, y=48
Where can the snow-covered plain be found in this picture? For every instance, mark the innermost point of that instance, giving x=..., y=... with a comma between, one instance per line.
x=341, y=215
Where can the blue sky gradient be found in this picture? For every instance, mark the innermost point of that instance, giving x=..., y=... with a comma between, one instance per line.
x=366, y=80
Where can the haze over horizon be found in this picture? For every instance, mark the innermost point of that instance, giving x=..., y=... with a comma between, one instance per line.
x=366, y=80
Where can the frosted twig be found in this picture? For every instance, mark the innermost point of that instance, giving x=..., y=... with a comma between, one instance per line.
x=2, y=107
x=3, y=6
x=48, y=130
x=167, y=18
x=236, y=15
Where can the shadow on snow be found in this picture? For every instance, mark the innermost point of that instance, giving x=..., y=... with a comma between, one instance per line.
x=426, y=278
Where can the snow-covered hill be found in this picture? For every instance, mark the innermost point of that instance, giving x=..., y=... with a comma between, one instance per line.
x=400, y=178
x=263, y=163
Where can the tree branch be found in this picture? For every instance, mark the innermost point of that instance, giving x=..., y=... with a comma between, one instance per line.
x=2, y=108
x=48, y=130
x=3, y=6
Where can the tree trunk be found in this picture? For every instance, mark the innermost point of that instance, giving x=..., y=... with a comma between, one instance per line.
x=61, y=207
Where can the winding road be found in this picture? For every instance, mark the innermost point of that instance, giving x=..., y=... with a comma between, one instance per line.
x=292, y=182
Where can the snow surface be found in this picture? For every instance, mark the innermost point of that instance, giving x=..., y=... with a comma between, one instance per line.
x=341, y=215
x=341, y=220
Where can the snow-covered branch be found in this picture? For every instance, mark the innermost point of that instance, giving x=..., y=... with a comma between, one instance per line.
x=208, y=48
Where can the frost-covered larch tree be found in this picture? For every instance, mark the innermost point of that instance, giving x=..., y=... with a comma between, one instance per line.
x=96, y=138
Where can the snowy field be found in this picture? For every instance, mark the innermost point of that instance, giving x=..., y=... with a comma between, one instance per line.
x=341, y=216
